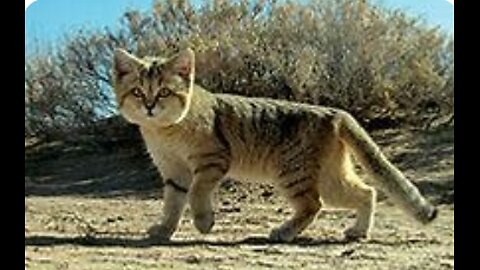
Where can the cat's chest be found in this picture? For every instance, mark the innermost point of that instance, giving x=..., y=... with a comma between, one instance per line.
x=181, y=145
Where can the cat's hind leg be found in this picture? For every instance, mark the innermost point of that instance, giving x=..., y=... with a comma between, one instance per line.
x=306, y=204
x=361, y=198
x=342, y=187
x=353, y=194
x=297, y=180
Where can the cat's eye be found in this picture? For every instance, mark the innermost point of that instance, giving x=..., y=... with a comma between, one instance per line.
x=136, y=92
x=163, y=92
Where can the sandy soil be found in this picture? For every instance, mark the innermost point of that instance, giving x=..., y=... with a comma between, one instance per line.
x=87, y=224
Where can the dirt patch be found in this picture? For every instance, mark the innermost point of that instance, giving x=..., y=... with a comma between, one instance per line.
x=89, y=209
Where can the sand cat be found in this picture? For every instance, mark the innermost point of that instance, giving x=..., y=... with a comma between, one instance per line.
x=196, y=138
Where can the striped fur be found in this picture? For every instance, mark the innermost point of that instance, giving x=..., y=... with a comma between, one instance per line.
x=196, y=138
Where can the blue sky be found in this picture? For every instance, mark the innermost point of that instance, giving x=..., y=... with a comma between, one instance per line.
x=46, y=21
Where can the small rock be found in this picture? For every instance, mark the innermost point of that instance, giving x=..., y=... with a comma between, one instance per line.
x=347, y=252
x=192, y=259
x=266, y=193
x=230, y=209
x=110, y=219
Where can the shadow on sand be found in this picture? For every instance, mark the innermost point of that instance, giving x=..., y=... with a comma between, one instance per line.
x=109, y=241
x=43, y=240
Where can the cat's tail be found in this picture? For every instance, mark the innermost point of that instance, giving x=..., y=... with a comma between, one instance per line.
x=390, y=179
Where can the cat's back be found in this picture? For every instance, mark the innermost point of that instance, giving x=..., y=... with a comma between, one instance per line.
x=265, y=111
x=259, y=129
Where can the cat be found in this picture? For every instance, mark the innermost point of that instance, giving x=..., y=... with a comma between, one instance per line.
x=196, y=138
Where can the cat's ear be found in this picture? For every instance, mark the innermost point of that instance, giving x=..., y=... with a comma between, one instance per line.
x=124, y=63
x=183, y=64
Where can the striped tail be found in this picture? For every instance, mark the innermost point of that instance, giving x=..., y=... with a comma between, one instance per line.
x=390, y=179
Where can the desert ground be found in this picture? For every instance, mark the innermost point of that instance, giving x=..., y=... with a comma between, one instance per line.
x=88, y=207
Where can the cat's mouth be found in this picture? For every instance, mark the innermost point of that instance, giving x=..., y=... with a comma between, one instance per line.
x=150, y=112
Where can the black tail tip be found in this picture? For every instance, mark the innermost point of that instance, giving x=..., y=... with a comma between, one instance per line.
x=424, y=214
x=433, y=214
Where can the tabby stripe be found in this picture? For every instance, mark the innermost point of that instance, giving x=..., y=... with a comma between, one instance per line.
x=300, y=193
x=241, y=131
x=238, y=125
x=296, y=182
x=217, y=129
x=125, y=95
x=218, y=154
x=243, y=127
x=221, y=167
x=294, y=142
x=122, y=99
x=254, y=107
x=176, y=186
x=260, y=125
x=288, y=170
x=295, y=156
x=120, y=75
x=263, y=119
x=289, y=121
x=254, y=116
x=280, y=141
x=281, y=135
x=181, y=97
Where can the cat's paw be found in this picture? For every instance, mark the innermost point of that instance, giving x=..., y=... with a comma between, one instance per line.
x=204, y=222
x=160, y=232
x=282, y=234
x=355, y=234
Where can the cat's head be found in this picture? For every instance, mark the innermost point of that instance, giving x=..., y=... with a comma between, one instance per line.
x=153, y=91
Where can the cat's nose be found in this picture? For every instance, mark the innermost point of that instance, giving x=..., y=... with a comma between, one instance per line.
x=150, y=108
x=149, y=113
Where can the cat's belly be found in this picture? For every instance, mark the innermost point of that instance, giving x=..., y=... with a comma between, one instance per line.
x=249, y=176
x=252, y=170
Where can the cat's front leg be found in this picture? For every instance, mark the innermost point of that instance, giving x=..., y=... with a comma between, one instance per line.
x=177, y=183
x=205, y=180
x=175, y=196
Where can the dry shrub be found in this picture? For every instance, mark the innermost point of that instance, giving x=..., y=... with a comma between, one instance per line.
x=382, y=66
